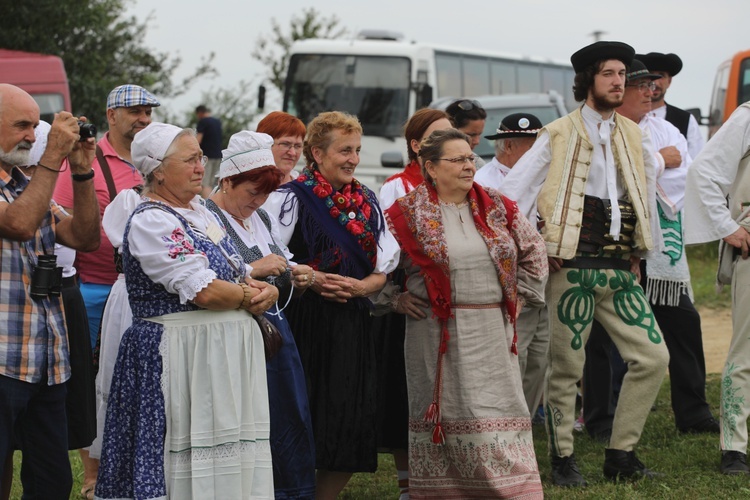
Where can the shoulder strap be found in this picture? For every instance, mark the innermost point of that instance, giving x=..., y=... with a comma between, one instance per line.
x=107, y=173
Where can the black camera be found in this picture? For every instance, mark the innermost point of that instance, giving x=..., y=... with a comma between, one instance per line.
x=86, y=130
x=46, y=280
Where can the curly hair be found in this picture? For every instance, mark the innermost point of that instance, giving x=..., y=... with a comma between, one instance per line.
x=320, y=131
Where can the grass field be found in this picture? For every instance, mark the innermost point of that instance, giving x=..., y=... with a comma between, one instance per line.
x=689, y=464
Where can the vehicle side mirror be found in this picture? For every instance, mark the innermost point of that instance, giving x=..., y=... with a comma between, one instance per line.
x=261, y=97
x=392, y=159
x=424, y=95
x=696, y=112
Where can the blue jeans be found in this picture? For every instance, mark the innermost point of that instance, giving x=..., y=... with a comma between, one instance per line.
x=94, y=296
x=32, y=416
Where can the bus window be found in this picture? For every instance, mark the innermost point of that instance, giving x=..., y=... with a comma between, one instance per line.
x=374, y=88
x=503, y=78
x=529, y=78
x=476, y=74
x=716, y=113
x=448, y=69
x=744, y=83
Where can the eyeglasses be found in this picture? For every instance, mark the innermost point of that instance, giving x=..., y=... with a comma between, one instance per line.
x=643, y=86
x=468, y=104
x=461, y=160
x=203, y=159
x=288, y=146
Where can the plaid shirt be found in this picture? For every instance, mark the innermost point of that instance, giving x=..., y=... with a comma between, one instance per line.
x=32, y=332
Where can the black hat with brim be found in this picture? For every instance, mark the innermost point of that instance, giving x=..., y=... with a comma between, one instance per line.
x=656, y=61
x=517, y=125
x=638, y=70
x=601, y=51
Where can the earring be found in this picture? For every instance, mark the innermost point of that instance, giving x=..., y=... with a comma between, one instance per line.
x=223, y=191
x=160, y=181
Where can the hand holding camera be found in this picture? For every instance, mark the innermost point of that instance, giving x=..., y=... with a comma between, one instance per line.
x=73, y=138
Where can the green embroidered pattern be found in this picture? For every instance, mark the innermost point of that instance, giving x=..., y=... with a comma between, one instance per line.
x=553, y=419
x=576, y=307
x=631, y=304
x=671, y=231
x=731, y=406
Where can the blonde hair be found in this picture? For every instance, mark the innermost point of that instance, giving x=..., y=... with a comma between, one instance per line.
x=321, y=128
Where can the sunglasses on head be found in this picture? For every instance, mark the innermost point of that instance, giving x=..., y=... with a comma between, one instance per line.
x=468, y=105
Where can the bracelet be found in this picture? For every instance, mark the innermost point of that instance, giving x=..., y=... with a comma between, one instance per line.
x=83, y=177
x=55, y=170
x=312, y=281
x=246, y=298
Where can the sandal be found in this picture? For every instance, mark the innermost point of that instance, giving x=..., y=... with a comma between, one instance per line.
x=87, y=491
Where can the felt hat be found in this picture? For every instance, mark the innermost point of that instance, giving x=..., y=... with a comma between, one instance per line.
x=150, y=146
x=246, y=151
x=601, y=51
x=656, y=61
x=517, y=125
x=639, y=70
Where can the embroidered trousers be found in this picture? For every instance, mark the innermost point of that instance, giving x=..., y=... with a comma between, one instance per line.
x=533, y=341
x=735, y=381
x=576, y=297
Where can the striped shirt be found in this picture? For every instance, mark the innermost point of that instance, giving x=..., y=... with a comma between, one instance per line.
x=32, y=332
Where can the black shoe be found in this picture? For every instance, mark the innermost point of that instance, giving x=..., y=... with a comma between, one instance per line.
x=734, y=463
x=624, y=464
x=565, y=472
x=707, y=426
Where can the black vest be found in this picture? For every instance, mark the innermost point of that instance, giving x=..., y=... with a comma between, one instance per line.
x=679, y=118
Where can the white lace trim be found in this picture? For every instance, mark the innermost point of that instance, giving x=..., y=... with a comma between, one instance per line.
x=239, y=452
x=189, y=288
x=164, y=383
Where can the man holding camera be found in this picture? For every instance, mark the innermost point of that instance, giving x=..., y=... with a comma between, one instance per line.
x=34, y=361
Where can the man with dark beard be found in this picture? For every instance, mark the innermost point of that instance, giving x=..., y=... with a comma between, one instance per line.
x=590, y=175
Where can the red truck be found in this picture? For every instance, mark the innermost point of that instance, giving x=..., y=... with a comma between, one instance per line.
x=43, y=76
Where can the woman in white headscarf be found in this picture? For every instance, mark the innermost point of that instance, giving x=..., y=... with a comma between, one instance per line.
x=247, y=176
x=188, y=405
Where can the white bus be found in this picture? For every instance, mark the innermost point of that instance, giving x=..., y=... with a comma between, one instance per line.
x=383, y=80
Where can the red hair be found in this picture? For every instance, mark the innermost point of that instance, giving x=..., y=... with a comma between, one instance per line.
x=266, y=179
x=279, y=124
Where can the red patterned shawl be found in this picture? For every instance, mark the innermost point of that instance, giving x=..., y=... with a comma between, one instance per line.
x=415, y=221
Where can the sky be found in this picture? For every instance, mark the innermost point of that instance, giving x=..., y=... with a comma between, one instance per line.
x=702, y=32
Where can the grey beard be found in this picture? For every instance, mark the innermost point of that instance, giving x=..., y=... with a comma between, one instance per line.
x=17, y=156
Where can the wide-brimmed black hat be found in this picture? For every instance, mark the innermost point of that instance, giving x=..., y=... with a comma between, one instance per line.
x=517, y=125
x=656, y=61
x=601, y=51
x=639, y=70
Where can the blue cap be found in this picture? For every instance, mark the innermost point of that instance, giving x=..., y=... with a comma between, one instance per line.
x=126, y=96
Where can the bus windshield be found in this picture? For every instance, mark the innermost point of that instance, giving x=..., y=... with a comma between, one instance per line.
x=373, y=88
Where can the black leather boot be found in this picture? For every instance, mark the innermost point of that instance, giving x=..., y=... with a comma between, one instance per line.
x=734, y=463
x=624, y=464
x=565, y=472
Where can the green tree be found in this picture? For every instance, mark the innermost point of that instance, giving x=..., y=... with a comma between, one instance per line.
x=273, y=50
x=101, y=49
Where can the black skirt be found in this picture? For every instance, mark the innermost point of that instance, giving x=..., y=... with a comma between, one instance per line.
x=81, y=400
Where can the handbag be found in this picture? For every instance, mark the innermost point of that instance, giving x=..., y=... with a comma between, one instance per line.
x=272, y=339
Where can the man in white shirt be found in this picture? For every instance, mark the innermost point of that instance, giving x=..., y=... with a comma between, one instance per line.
x=723, y=168
x=591, y=176
x=665, y=278
x=515, y=134
x=668, y=65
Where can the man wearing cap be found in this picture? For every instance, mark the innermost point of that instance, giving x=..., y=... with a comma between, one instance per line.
x=590, y=175
x=34, y=359
x=665, y=277
x=717, y=200
x=668, y=65
x=515, y=134
x=128, y=112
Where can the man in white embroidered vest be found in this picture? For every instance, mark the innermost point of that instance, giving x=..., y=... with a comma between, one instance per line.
x=666, y=281
x=515, y=135
x=721, y=169
x=591, y=175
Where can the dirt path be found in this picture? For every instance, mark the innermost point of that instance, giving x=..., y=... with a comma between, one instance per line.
x=717, y=332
